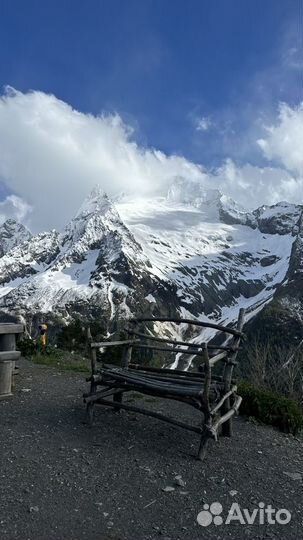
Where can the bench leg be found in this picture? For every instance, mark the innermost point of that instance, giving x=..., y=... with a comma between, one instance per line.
x=90, y=413
x=117, y=398
x=203, y=445
x=227, y=426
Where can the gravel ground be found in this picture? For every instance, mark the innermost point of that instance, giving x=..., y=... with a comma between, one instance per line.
x=61, y=480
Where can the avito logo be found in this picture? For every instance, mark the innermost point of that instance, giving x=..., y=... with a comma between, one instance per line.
x=263, y=514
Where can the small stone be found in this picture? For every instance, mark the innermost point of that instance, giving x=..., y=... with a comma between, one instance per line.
x=293, y=476
x=233, y=492
x=180, y=482
x=110, y=524
x=105, y=514
x=168, y=489
x=33, y=509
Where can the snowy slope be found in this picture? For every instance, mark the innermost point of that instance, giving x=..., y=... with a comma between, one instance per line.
x=93, y=265
x=213, y=264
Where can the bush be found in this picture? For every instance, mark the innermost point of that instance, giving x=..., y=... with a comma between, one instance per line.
x=30, y=347
x=271, y=408
x=279, y=369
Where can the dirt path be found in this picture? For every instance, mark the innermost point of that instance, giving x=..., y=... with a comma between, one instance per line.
x=61, y=480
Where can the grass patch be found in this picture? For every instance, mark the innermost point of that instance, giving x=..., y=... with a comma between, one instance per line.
x=134, y=396
x=271, y=408
x=53, y=356
x=151, y=400
x=63, y=361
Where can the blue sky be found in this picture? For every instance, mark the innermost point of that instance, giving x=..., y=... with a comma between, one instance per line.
x=200, y=79
x=161, y=64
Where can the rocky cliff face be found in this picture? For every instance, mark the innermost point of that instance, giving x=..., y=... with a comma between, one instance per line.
x=94, y=268
x=194, y=253
x=281, y=321
x=12, y=234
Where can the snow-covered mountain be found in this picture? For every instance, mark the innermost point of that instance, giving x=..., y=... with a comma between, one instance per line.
x=12, y=234
x=194, y=252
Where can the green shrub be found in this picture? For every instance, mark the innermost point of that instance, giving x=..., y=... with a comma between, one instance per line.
x=30, y=347
x=72, y=337
x=271, y=408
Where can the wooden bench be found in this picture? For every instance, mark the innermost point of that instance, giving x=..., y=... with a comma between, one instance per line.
x=215, y=396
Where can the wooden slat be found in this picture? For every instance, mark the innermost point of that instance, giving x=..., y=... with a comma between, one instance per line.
x=179, y=380
x=88, y=398
x=113, y=343
x=11, y=328
x=147, y=412
x=129, y=378
x=168, y=371
x=226, y=396
x=228, y=414
x=9, y=355
x=168, y=350
x=177, y=342
x=224, y=329
x=218, y=357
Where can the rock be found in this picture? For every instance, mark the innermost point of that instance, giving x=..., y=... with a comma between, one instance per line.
x=179, y=481
x=33, y=509
x=293, y=476
x=233, y=492
x=168, y=489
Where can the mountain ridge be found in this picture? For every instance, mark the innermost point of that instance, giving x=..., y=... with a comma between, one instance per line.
x=196, y=254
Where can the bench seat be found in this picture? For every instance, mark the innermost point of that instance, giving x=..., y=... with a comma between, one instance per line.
x=156, y=383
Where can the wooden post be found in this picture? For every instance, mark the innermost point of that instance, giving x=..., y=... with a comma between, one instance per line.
x=8, y=333
x=227, y=377
x=93, y=386
x=207, y=421
x=126, y=360
x=127, y=356
x=5, y=379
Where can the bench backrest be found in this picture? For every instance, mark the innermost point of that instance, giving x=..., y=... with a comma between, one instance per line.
x=145, y=340
x=210, y=353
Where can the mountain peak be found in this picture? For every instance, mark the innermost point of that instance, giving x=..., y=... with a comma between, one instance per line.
x=97, y=202
x=96, y=192
x=12, y=233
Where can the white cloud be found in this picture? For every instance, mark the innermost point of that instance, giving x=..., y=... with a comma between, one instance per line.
x=253, y=186
x=203, y=124
x=284, y=141
x=13, y=207
x=52, y=155
x=292, y=58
